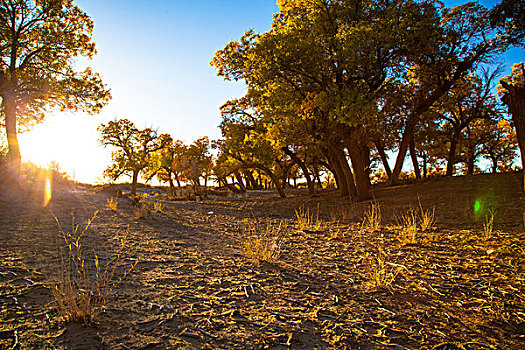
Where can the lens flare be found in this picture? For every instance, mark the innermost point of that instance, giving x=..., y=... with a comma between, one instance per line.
x=47, y=191
x=477, y=205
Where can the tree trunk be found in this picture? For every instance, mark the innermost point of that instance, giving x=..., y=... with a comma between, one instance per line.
x=340, y=178
x=451, y=160
x=172, y=185
x=300, y=163
x=317, y=176
x=425, y=170
x=470, y=165
x=13, y=154
x=134, y=182
x=515, y=100
x=239, y=180
x=178, y=182
x=348, y=175
x=274, y=179
x=413, y=155
x=384, y=158
x=359, y=164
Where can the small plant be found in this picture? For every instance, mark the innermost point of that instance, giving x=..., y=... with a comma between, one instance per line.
x=407, y=227
x=140, y=207
x=111, y=204
x=372, y=218
x=262, y=241
x=82, y=284
x=307, y=221
x=426, y=218
x=157, y=207
x=379, y=271
x=488, y=225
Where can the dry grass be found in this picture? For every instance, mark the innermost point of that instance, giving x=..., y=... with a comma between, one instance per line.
x=262, y=241
x=380, y=272
x=426, y=217
x=111, y=204
x=157, y=207
x=141, y=210
x=407, y=227
x=308, y=221
x=372, y=218
x=82, y=283
x=488, y=225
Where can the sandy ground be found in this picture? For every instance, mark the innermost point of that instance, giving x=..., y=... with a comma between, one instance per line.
x=192, y=288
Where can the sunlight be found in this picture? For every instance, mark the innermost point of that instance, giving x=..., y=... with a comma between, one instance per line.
x=71, y=141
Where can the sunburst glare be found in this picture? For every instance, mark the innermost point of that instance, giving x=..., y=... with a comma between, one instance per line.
x=47, y=191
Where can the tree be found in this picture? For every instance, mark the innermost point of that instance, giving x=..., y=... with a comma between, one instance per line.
x=197, y=162
x=165, y=163
x=501, y=146
x=464, y=41
x=39, y=41
x=134, y=148
x=468, y=100
x=510, y=15
x=512, y=91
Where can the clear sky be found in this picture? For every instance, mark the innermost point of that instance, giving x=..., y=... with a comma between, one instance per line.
x=154, y=55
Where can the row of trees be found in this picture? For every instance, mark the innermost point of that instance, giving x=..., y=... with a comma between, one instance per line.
x=146, y=153
x=339, y=81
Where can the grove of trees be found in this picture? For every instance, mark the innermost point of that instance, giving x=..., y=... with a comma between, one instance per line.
x=340, y=85
x=145, y=153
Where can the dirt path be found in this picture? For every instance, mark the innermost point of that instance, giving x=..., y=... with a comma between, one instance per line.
x=193, y=289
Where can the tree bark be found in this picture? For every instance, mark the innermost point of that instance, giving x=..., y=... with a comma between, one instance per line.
x=359, y=164
x=340, y=178
x=515, y=100
x=348, y=175
x=239, y=180
x=317, y=176
x=272, y=176
x=13, y=154
x=172, y=185
x=134, y=182
x=300, y=163
x=413, y=156
x=451, y=159
x=384, y=158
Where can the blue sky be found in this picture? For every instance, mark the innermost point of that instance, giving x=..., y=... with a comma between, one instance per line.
x=155, y=55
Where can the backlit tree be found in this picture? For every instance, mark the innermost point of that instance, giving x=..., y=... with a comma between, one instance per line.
x=39, y=41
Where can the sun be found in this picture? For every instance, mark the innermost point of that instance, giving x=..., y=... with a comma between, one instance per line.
x=71, y=141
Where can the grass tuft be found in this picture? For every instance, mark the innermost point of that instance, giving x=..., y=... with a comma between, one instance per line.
x=111, y=204
x=488, y=225
x=407, y=227
x=157, y=207
x=379, y=271
x=262, y=241
x=83, y=282
x=426, y=218
x=372, y=218
x=307, y=221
